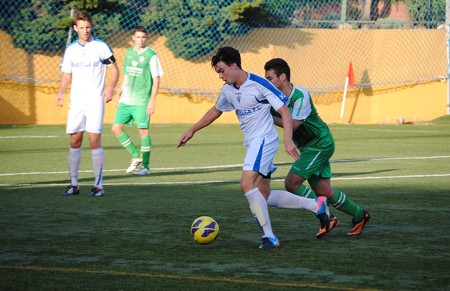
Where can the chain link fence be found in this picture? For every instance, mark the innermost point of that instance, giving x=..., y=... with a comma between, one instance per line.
x=389, y=43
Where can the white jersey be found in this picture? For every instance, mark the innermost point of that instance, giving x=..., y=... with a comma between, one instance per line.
x=86, y=64
x=252, y=102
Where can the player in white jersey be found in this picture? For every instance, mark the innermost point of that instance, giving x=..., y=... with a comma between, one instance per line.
x=251, y=97
x=84, y=65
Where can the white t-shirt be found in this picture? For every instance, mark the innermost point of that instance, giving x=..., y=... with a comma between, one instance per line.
x=86, y=64
x=252, y=102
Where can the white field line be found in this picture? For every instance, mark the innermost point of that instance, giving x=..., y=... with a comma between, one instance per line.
x=387, y=130
x=227, y=166
x=30, y=136
x=123, y=170
x=223, y=181
x=232, y=181
x=389, y=159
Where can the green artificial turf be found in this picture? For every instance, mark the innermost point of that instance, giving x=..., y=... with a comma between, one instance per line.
x=137, y=236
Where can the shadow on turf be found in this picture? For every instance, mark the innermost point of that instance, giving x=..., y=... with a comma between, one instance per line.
x=174, y=145
x=362, y=173
x=126, y=177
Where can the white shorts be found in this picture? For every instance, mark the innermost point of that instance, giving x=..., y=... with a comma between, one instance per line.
x=260, y=155
x=86, y=118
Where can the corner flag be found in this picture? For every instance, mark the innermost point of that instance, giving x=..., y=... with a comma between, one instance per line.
x=351, y=76
x=349, y=82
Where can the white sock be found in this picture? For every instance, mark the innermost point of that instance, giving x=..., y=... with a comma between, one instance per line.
x=98, y=159
x=285, y=199
x=259, y=209
x=74, y=161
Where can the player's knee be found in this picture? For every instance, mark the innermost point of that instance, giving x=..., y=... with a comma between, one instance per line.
x=290, y=185
x=244, y=187
x=95, y=145
x=75, y=142
x=143, y=132
x=247, y=185
x=116, y=130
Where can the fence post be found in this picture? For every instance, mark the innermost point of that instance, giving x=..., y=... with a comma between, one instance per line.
x=69, y=36
x=343, y=11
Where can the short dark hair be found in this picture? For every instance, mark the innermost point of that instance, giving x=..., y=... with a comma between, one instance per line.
x=82, y=16
x=280, y=66
x=139, y=29
x=228, y=55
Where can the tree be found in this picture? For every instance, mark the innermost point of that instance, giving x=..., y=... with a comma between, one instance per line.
x=42, y=26
x=429, y=13
x=194, y=28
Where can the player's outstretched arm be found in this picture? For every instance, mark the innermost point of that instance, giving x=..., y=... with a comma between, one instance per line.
x=185, y=137
x=212, y=114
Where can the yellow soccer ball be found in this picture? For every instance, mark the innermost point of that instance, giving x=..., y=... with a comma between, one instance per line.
x=205, y=230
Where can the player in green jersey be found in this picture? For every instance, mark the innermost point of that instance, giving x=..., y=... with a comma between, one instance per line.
x=142, y=71
x=316, y=144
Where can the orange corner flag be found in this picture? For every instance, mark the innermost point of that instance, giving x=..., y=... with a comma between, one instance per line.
x=351, y=76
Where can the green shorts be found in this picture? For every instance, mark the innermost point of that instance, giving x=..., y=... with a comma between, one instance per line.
x=313, y=164
x=126, y=114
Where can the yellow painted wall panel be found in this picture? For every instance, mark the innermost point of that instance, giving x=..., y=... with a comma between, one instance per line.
x=34, y=104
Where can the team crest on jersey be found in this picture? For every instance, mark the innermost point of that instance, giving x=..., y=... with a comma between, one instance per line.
x=238, y=97
x=141, y=59
x=134, y=63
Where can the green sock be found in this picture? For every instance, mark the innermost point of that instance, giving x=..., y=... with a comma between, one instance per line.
x=341, y=202
x=146, y=146
x=305, y=192
x=126, y=142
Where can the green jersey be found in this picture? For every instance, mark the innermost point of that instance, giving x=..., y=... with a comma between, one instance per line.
x=313, y=132
x=139, y=70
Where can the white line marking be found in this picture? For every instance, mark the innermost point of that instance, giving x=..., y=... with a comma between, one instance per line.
x=388, y=130
x=394, y=177
x=229, y=166
x=123, y=170
x=222, y=181
x=388, y=159
x=29, y=136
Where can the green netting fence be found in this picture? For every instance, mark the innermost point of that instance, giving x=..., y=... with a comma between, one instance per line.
x=388, y=42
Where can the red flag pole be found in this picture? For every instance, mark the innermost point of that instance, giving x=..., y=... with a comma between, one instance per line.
x=349, y=82
x=351, y=76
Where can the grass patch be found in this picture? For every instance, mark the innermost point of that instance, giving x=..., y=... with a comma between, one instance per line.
x=137, y=237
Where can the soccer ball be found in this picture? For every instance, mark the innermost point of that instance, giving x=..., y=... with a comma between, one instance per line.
x=204, y=230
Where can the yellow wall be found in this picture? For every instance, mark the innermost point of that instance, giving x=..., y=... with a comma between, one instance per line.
x=30, y=104
x=414, y=103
